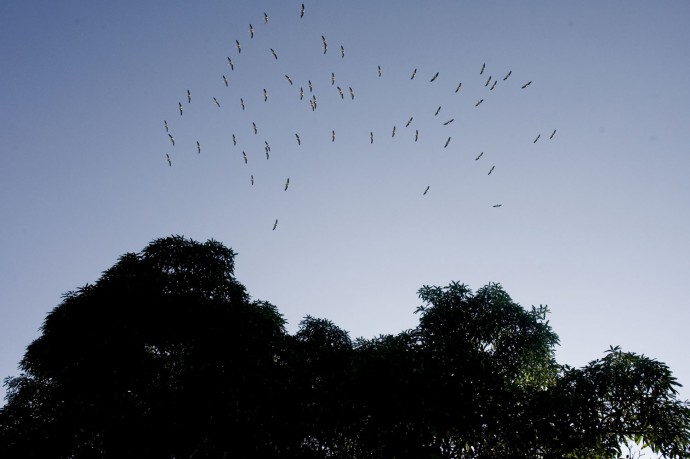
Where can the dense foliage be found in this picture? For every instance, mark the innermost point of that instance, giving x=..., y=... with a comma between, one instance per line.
x=166, y=356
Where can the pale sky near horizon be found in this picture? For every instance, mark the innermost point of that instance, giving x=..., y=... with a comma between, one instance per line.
x=593, y=222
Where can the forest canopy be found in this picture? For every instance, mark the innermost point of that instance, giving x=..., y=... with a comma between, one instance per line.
x=168, y=356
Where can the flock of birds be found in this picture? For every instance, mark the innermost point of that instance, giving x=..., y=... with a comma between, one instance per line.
x=490, y=83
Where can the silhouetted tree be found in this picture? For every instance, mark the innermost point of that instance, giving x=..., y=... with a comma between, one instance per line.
x=166, y=356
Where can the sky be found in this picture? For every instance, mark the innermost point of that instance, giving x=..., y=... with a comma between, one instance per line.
x=593, y=222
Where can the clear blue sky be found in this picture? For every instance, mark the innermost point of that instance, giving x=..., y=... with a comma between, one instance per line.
x=594, y=222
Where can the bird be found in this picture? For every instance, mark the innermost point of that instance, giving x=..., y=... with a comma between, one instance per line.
x=491, y=170
x=274, y=53
x=324, y=43
x=216, y=102
x=179, y=104
x=311, y=103
x=449, y=121
x=265, y=18
x=393, y=132
x=267, y=155
x=198, y=147
x=535, y=140
x=414, y=72
x=165, y=123
x=189, y=97
x=311, y=89
x=487, y=81
x=497, y=205
x=301, y=93
x=251, y=31
x=313, y=98
x=493, y=86
x=244, y=155
x=265, y=95
x=371, y=137
x=342, y=51
x=232, y=66
x=352, y=93
x=301, y=11
x=480, y=101
x=238, y=46
x=268, y=147
x=340, y=91
x=275, y=225
x=172, y=139
x=447, y=142
x=242, y=103
x=416, y=135
x=299, y=142
x=434, y=78
x=482, y=70
x=287, y=184
x=379, y=67
x=332, y=78
x=254, y=126
x=234, y=140
x=507, y=75
x=426, y=191
x=480, y=155
x=409, y=122
x=167, y=156
x=289, y=79
x=225, y=80
x=437, y=110
x=526, y=84
x=458, y=88
x=553, y=134
x=252, y=179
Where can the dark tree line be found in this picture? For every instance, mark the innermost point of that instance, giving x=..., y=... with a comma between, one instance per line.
x=166, y=356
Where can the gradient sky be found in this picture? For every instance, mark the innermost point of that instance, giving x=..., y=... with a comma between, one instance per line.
x=594, y=222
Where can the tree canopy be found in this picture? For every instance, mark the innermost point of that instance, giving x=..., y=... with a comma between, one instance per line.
x=167, y=356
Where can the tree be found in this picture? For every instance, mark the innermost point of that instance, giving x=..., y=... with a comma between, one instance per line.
x=167, y=356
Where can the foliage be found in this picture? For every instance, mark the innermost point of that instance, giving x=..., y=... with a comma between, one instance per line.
x=167, y=356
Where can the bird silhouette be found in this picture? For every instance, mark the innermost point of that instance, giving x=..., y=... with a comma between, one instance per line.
x=491, y=170
x=409, y=122
x=244, y=155
x=340, y=91
x=352, y=93
x=332, y=136
x=426, y=191
x=324, y=43
x=311, y=89
x=379, y=68
x=275, y=225
x=225, y=80
x=447, y=142
x=301, y=11
x=301, y=93
x=179, y=104
x=393, y=132
x=414, y=72
x=449, y=121
x=458, y=88
x=371, y=137
x=553, y=134
x=251, y=31
x=287, y=184
x=482, y=70
x=434, y=78
x=254, y=126
x=497, y=205
x=167, y=156
x=437, y=110
x=265, y=18
x=172, y=139
x=238, y=46
x=332, y=78
x=275, y=55
x=198, y=147
x=526, y=84
x=165, y=123
x=493, y=85
x=480, y=155
x=487, y=82
x=189, y=97
x=265, y=95
x=216, y=102
x=232, y=66
x=480, y=101
x=535, y=140
x=252, y=179
x=289, y=79
x=234, y=140
x=342, y=51
x=242, y=103
x=299, y=142
x=416, y=135
x=507, y=75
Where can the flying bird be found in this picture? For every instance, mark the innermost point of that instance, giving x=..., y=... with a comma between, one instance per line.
x=299, y=142
x=526, y=84
x=289, y=79
x=274, y=53
x=234, y=140
x=497, y=205
x=311, y=103
x=332, y=78
x=265, y=95
x=416, y=135
x=332, y=136
x=480, y=101
x=409, y=122
x=506, y=77
x=172, y=139
x=287, y=184
x=232, y=66
x=275, y=225
x=225, y=80
x=301, y=93
x=313, y=98
x=437, y=110
x=252, y=179
x=342, y=51
x=189, y=97
x=371, y=137
x=216, y=102
x=310, y=86
x=491, y=170
x=393, y=132
x=480, y=155
x=267, y=155
x=449, y=121
x=165, y=123
x=535, y=140
x=493, y=85
x=414, y=72
x=198, y=147
x=458, y=88
x=167, y=156
x=352, y=93
x=238, y=46
x=426, y=191
x=301, y=11
x=379, y=67
x=487, y=81
x=244, y=155
x=179, y=104
x=265, y=18
x=242, y=103
x=553, y=134
x=447, y=142
x=434, y=78
x=482, y=70
x=340, y=91
x=254, y=126
x=251, y=31
x=268, y=147
x=324, y=43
